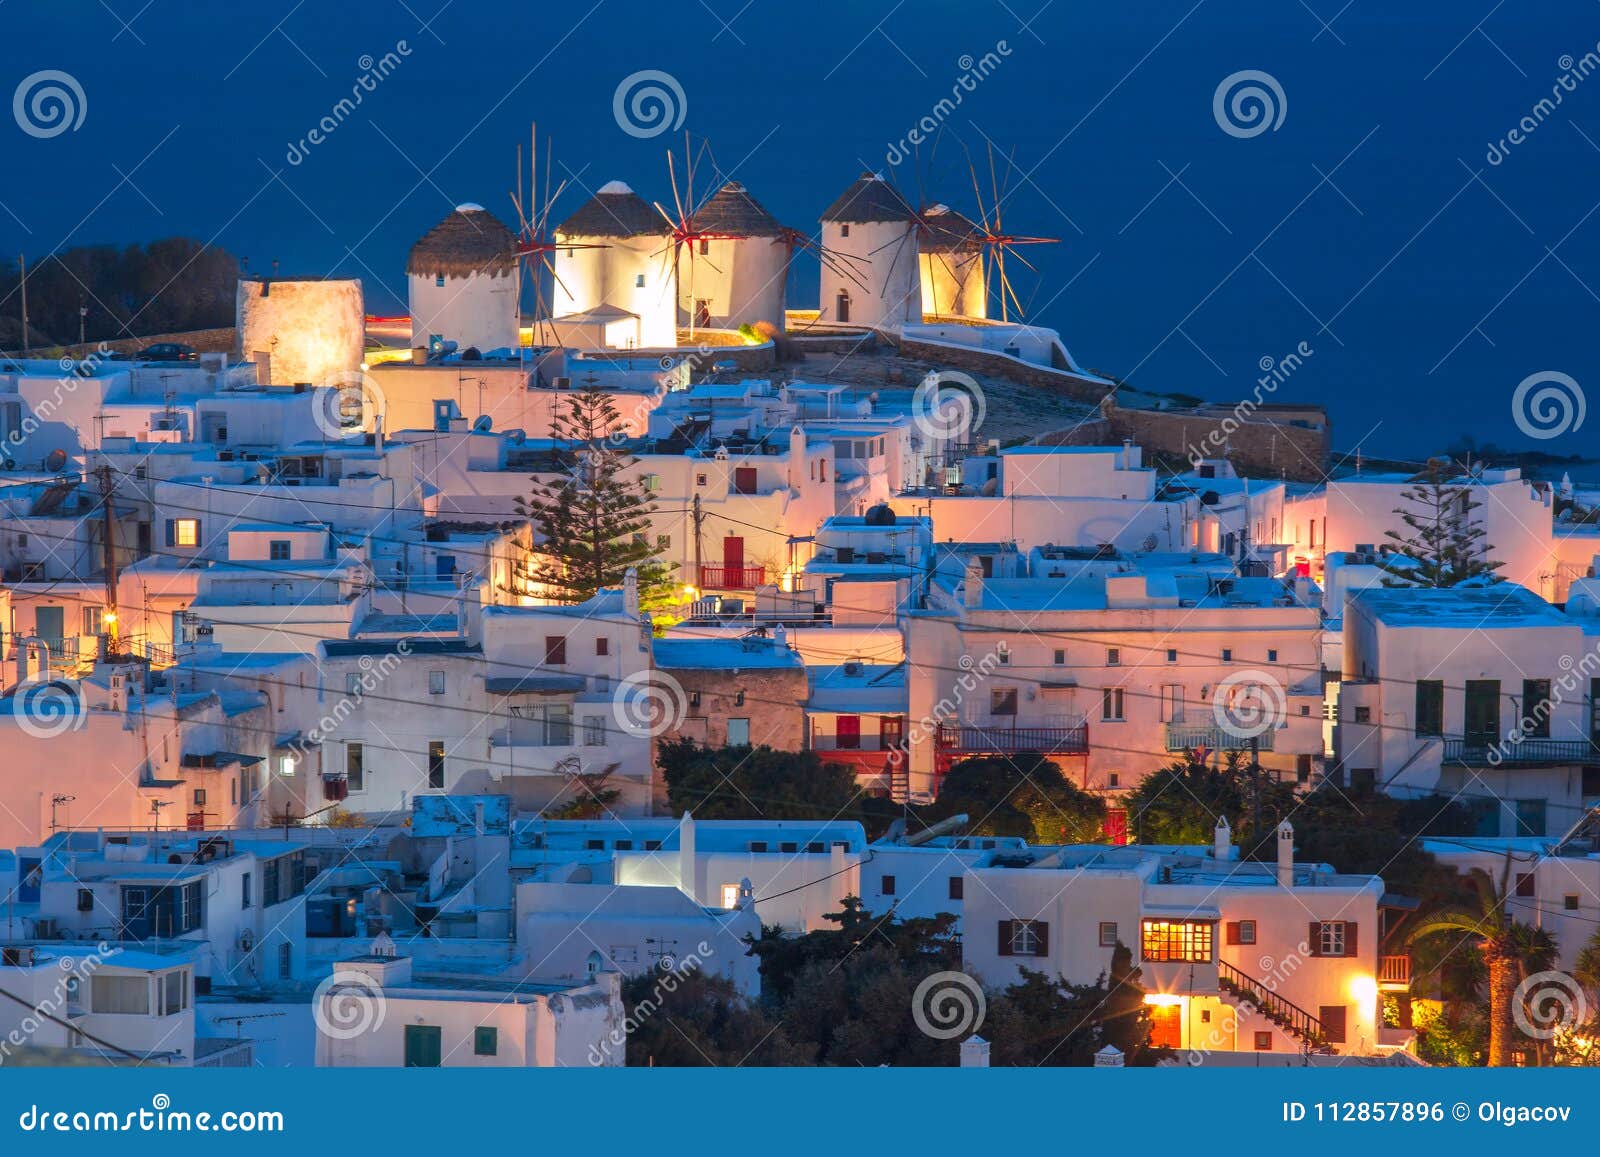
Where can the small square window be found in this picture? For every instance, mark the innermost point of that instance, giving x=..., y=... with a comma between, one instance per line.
x=86, y=900
x=1227, y=654
x=186, y=532
x=652, y=845
x=788, y=847
x=887, y=887
x=758, y=845
x=1363, y=715
x=485, y=1041
x=638, y=282
x=1003, y=701
x=1113, y=779
x=602, y=646
x=435, y=682
x=1272, y=655
x=278, y=550
x=1113, y=657
x=594, y=845
x=1263, y=1042
x=1108, y=933
x=1061, y=657
x=844, y=230
x=699, y=479
x=1172, y=654
x=1570, y=902
x=1247, y=932
x=438, y=281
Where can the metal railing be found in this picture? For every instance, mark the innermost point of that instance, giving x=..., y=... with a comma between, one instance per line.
x=716, y=576
x=1189, y=736
x=1478, y=751
x=1284, y=1013
x=1009, y=740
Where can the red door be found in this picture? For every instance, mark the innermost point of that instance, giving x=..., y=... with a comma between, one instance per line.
x=733, y=561
x=744, y=479
x=1117, y=825
x=847, y=732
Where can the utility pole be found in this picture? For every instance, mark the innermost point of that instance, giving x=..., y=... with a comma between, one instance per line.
x=109, y=619
x=699, y=518
x=83, y=319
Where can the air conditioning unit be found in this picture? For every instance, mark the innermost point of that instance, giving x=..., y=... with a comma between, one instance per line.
x=16, y=957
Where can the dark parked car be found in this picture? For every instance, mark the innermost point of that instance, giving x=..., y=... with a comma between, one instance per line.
x=168, y=352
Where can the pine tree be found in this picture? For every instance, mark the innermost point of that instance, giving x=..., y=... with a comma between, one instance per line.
x=594, y=517
x=1442, y=547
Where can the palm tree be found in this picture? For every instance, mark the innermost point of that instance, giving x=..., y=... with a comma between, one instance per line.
x=1508, y=948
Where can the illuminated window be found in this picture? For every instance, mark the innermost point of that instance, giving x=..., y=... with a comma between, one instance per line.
x=730, y=895
x=1178, y=941
x=186, y=532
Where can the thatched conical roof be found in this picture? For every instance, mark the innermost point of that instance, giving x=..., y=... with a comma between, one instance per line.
x=470, y=240
x=870, y=198
x=615, y=211
x=947, y=231
x=733, y=210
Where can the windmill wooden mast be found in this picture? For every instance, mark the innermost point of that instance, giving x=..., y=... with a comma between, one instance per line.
x=993, y=238
x=536, y=245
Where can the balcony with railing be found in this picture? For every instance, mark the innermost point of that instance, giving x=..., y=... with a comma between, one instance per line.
x=1191, y=736
x=716, y=576
x=1394, y=972
x=1481, y=751
x=968, y=739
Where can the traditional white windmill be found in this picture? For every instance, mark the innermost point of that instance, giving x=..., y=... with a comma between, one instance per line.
x=463, y=283
x=872, y=229
x=608, y=278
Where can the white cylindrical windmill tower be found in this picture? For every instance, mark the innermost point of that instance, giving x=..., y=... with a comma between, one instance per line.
x=873, y=231
x=740, y=271
x=626, y=280
x=951, y=263
x=301, y=329
x=465, y=283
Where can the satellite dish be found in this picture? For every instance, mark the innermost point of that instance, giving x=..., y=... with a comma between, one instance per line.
x=55, y=460
x=483, y=424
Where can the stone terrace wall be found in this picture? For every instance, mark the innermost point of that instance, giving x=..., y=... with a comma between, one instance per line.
x=992, y=363
x=1256, y=445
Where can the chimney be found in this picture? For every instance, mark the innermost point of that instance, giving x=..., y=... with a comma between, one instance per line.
x=974, y=1053
x=1286, y=855
x=686, y=863
x=1222, y=846
x=477, y=818
x=973, y=595
x=630, y=593
x=1109, y=1057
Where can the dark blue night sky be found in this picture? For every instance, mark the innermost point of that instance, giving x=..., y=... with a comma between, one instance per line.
x=1428, y=281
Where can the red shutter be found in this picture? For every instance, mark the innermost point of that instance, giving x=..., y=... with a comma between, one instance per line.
x=1231, y=932
x=1005, y=938
x=1350, y=938
x=1042, y=933
x=1314, y=938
